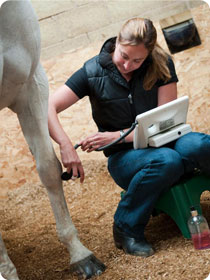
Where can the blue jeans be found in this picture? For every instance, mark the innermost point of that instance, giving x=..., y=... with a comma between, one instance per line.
x=146, y=173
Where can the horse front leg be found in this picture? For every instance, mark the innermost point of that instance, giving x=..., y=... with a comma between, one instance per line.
x=35, y=129
x=82, y=260
x=7, y=268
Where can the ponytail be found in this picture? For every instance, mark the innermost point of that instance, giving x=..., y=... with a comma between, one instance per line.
x=157, y=69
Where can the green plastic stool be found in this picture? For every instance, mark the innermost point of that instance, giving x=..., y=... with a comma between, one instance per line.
x=177, y=201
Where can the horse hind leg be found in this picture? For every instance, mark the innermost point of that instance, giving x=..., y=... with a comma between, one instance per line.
x=7, y=268
x=33, y=120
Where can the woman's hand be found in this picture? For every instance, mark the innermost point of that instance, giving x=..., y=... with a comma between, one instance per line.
x=71, y=160
x=63, y=98
x=99, y=139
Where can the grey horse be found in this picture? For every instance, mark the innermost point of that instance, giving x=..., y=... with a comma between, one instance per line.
x=24, y=89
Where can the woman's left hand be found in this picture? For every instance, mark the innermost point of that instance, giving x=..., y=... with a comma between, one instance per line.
x=99, y=139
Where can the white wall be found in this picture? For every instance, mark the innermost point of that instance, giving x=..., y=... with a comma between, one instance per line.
x=72, y=24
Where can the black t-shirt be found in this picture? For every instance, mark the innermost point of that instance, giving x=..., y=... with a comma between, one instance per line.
x=78, y=82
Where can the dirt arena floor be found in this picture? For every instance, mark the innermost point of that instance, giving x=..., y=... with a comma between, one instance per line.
x=26, y=220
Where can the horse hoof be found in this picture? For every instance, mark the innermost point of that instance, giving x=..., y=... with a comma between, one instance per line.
x=88, y=267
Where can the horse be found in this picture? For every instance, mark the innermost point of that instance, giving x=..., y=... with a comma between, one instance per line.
x=24, y=89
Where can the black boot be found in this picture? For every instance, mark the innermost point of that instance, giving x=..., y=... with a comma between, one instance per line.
x=131, y=245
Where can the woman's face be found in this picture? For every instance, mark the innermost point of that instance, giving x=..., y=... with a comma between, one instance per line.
x=129, y=58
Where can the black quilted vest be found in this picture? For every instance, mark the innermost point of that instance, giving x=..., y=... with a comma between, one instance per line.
x=116, y=102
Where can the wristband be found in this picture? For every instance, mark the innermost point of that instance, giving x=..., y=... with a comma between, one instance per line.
x=121, y=134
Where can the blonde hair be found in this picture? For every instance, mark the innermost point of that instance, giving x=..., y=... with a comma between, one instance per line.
x=142, y=31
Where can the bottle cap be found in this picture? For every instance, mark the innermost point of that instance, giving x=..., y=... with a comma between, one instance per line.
x=193, y=211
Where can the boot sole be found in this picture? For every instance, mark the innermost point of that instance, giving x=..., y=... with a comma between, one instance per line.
x=138, y=254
